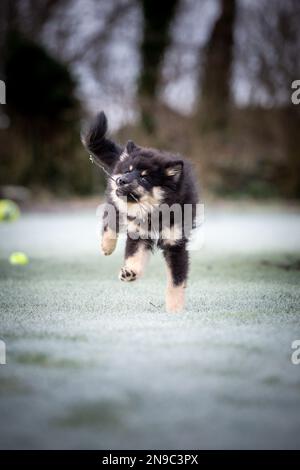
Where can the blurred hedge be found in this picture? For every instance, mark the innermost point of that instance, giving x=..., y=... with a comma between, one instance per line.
x=41, y=148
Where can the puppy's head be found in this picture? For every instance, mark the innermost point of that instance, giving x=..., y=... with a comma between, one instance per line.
x=146, y=175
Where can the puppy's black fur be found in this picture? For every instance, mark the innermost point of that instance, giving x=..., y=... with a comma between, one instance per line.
x=147, y=179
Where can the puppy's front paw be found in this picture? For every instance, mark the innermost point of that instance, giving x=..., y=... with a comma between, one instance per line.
x=107, y=248
x=127, y=275
x=108, y=244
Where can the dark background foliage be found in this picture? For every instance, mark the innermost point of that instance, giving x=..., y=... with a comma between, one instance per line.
x=209, y=79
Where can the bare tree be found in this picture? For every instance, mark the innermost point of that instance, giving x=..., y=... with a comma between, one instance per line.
x=217, y=65
x=268, y=58
x=157, y=20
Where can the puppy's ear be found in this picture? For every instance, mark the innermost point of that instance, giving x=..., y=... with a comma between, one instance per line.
x=130, y=146
x=174, y=169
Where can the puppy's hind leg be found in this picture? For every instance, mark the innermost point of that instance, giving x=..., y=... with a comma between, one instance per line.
x=136, y=256
x=177, y=269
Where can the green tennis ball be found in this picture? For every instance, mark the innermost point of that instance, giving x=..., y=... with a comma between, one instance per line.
x=9, y=211
x=18, y=258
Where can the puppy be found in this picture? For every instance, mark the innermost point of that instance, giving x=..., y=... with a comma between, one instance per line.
x=150, y=192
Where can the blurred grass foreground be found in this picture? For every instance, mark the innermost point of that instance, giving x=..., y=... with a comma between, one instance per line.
x=209, y=79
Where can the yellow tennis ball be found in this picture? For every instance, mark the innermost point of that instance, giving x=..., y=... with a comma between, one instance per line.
x=18, y=258
x=9, y=211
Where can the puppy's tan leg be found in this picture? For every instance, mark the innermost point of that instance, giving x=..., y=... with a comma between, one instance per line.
x=174, y=295
x=177, y=268
x=110, y=229
x=136, y=257
x=109, y=241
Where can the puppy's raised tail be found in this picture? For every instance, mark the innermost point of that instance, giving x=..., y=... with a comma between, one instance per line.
x=97, y=144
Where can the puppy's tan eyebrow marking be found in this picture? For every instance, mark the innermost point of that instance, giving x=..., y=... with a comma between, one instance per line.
x=144, y=173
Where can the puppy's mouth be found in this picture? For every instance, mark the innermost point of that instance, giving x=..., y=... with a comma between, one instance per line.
x=130, y=195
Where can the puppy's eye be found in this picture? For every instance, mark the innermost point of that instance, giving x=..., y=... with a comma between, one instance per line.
x=144, y=179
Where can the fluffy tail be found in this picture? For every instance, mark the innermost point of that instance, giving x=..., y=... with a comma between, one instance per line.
x=105, y=150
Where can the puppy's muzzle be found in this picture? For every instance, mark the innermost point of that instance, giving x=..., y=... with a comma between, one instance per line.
x=127, y=178
x=127, y=183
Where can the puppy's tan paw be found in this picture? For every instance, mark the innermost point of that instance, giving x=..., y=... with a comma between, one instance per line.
x=127, y=275
x=108, y=243
x=175, y=299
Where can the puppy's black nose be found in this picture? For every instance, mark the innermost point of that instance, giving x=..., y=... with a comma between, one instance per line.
x=121, y=181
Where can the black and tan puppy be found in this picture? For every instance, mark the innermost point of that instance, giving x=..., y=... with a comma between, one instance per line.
x=143, y=184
